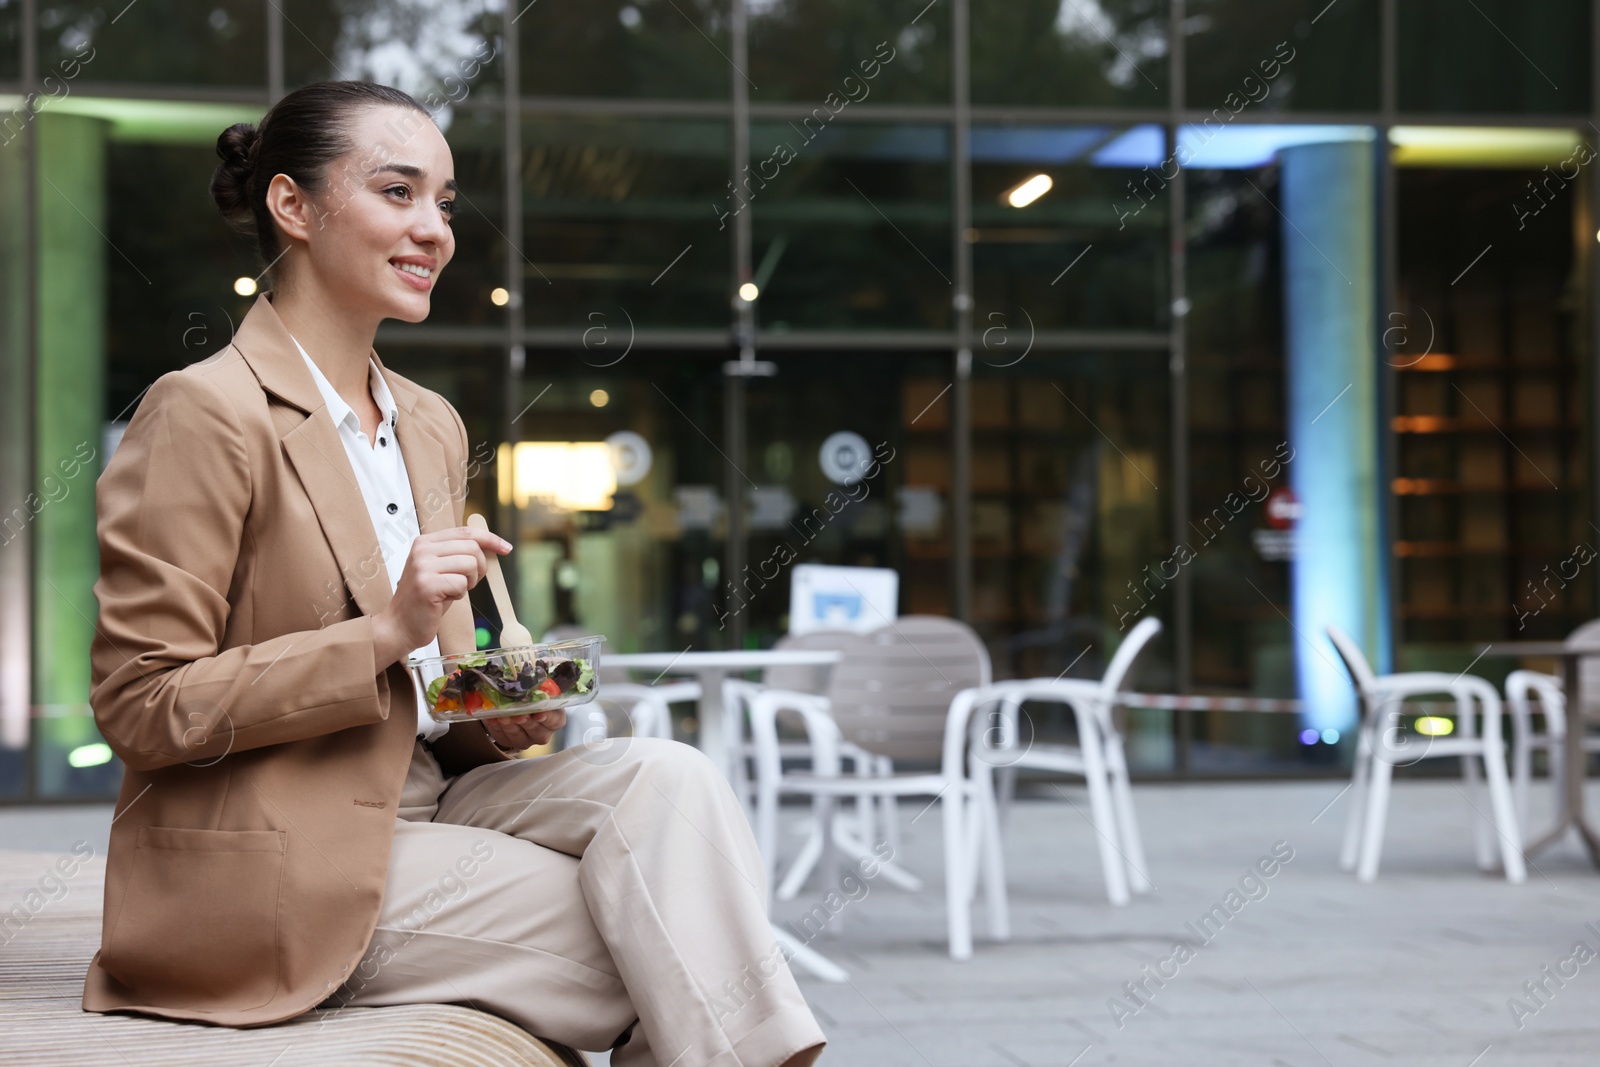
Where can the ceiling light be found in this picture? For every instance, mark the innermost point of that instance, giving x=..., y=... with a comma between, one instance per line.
x=748, y=292
x=244, y=286
x=599, y=398
x=500, y=297
x=1029, y=191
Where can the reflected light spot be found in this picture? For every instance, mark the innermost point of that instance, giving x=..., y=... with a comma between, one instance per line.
x=1029, y=191
x=244, y=286
x=89, y=755
x=1308, y=736
x=499, y=297
x=1330, y=736
x=1435, y=726
x=599, y=398
x=748, y=292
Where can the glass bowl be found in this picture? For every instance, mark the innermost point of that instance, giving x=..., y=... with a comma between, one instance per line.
x=520, y=680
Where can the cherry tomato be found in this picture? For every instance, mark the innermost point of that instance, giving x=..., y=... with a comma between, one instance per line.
x=549, y=688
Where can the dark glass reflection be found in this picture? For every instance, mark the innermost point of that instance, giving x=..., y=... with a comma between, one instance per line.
x=1494, y=56
x=1309, y=54
x=895, y=51
x=622, y=221
x=1242, y=638
x=851, y=224
x=444, y=53
x=10, y=39
x=1084, y=254
x=1066, y=53
x=163, y=42
x=656, y=49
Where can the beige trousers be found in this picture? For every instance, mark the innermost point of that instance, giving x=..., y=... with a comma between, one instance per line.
x=578, y=893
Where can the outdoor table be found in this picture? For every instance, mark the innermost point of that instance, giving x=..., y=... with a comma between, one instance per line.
x=711, y=668
x=1571, y=812
x=714, y=733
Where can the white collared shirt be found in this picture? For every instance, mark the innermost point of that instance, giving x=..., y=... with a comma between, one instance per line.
x=380, y=471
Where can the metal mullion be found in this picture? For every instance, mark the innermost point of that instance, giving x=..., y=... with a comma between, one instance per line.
x=516, y=286
x=30, y=358
x=961, y=305
x=275, y=73
x=1178, y=383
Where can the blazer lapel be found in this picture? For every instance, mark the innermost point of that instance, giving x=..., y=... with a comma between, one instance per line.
x=318, y=455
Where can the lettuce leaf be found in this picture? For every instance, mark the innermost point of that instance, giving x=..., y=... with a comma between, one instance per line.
x=585, y=676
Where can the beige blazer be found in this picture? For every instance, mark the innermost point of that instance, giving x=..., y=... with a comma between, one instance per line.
x=234, y=674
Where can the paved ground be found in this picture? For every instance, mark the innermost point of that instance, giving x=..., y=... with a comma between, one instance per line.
x=1416, y=969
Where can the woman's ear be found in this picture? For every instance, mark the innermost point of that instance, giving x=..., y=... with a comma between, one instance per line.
x=290, y=208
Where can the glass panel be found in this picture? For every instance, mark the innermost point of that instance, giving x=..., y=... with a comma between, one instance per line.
x=894, y=51
x=895, y=511
x=1069, y=53
x=10, y=40
x=465, y=293
x=1069, y=454
x=658, y=49
x=161, y=219
x=622, y=222
x=645, y=571
x=165, y=42
x=1491, y=501
x=1500, y=56
x=851, y=225
x=1243, y=641
x=1300, y=55
x=440, y=57
x=1091, y=251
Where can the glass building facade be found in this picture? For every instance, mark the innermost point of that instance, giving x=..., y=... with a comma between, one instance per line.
x=1250, y=316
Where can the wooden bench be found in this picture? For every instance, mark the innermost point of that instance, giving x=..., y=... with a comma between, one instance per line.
x=42, y=1022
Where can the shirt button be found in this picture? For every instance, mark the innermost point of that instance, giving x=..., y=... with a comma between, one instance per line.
x=383, y=440
x=393, y=508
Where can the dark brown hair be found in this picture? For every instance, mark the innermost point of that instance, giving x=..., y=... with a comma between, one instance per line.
x=300, y=136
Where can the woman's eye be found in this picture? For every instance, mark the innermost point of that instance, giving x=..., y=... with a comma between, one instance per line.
x=448, y=207
x=400, y=189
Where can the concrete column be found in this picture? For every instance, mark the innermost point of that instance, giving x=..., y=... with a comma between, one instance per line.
x=69, y=401
x=1330, y=291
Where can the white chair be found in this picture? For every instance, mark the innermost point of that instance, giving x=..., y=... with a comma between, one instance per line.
x=1098, y=757
x=1382, y=744
x=1521, y=686
x=905, y=691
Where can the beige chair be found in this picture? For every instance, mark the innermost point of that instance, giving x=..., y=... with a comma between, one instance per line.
x=900, y=692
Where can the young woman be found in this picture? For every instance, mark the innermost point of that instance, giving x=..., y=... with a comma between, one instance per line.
x=293, y=831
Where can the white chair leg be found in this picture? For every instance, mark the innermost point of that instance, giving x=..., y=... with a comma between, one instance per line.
x=1127, y=822
x=956, y=878
x=1482, y=832
x=1350, y=849
x=1377, y=810
x=1521, y=764
x=1005, y=793
x=804, y=862
x=890, y=811
x=1100, y=813
x=1504, y=816
x=994, y=869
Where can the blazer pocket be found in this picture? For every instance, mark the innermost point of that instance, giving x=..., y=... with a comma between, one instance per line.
x=198, y=924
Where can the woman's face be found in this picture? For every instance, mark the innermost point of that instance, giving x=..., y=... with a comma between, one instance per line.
x=378, y=232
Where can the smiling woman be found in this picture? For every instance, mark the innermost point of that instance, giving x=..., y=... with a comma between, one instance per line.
x=224, y=516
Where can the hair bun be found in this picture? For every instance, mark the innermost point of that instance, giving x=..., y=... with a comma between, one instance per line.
x=230, y=185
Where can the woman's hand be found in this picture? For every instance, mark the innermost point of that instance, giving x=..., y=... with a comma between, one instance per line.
x=524, y=731
x=440, y=569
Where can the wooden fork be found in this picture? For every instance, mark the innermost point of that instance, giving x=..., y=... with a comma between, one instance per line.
x=512, y=633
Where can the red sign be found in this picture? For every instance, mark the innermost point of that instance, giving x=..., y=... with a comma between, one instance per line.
x=1282, y=508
